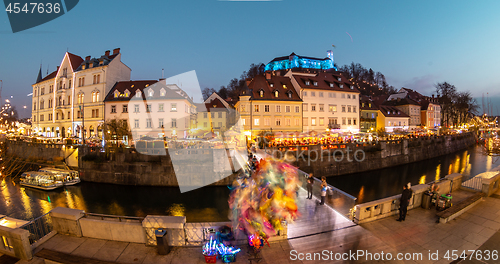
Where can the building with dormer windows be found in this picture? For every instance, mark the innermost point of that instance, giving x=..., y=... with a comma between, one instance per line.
x=70, y=101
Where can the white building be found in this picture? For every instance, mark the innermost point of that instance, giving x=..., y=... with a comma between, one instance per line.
x=152, y=108
x=330, y=101
x=72, y=97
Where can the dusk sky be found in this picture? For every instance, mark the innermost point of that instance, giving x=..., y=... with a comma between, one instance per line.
x=414, y=44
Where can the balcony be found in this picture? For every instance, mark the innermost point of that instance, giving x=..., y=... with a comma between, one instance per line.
x=334, y=126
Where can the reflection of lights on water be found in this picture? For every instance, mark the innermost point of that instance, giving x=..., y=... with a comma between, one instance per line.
x=70, y=201
x=116, y=209
x=48, y=198
x=361, y=194
x=25, y=199
x=438, y=172
x=422, y=180
x=449, y=169
x=176, y=210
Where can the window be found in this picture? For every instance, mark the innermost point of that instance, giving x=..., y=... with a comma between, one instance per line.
x=162, y=92
x=148, y=108
x=348, y=96
x=308, y=83
x=34, y=106
x=278, y=109
x=95, y=96
x=305, y=93
x=349, y=121
x=173, y=107
x=313, y=94
x=315, y=83
x=321, y=121
x=332, y=108
x=353, y=96
x=160, y=108
x=343, y=120
x=138, y=94
x=297, y=122
x=42, y=117
x=160, y=122
x=297, y=109
x=205, y=115
x=79, y=114
x=42, y=92
x=267, y=122
x=174, y=122
x=70, y=83
x=348, y=109
x=313, y=121
x=113, y=109
x=256, y=122
x=51, y=88
x=288, y=122
x=124, y=108
x=332, y=121
x=69, y=115
x=321, y=107
x=261, y=93
x=287, y=109
x=42, y=104
x=148, y=123
x=136, y=123
x=97, y=78
x=343, y=109
x=320, y=94
x=304, y=121
x=205, y=124
x=354, y=109
x=341, y=86
x=50, y=103
x=151, y=92
x=81, y=81
x=343, y=96
x=331, y=85
x=243, y=109
x=50, y=117
x=304, y=107
x=136, y=108
x=352, y=87
x=266, y=108
x=256, y=108
x=95, y=113
x=69, y=99
x=278, y=121
x=313, y=107
x=212, y=115
x=80, y=98
x=271, y=84
x=276, y=93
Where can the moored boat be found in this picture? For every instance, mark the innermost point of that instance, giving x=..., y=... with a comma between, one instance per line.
x=68, y=177
x=40, y=180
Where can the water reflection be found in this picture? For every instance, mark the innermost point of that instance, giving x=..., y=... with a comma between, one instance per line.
x=388, y=182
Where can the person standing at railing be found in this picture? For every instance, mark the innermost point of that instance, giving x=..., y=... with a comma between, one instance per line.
x=310, y=182
x=324, y=188
x=403, y=203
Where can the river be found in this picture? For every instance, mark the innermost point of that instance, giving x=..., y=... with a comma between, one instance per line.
x=210, y=203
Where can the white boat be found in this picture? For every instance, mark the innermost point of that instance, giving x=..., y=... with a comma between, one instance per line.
x=40, y=180
x=68, y=177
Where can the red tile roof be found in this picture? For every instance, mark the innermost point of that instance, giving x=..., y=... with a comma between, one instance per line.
x=391, y=111
x=50, y=76
x=281, y=84
x=132, y=86
x=75, y=60
x=325, y=81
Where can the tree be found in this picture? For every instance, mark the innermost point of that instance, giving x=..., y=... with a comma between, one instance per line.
x=206, y=92
x=116, y=129
x=447, y=94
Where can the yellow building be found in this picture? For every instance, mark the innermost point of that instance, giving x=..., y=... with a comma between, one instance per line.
x=392, y=119
x=270, y=104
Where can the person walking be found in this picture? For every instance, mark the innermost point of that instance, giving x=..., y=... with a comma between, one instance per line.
x=324, y=188
x=310, y=182
x=403, y=203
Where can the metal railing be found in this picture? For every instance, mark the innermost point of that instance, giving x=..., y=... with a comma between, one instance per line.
x=38, y=227
x=119, y=218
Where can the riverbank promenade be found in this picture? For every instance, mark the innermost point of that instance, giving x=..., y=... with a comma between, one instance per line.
x=322, y=230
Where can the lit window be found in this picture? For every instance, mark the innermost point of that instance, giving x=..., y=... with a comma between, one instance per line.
x=173, y=107
x=341, y=86
x=160, y=108
x=315, y=83
x=256, y=122
x=276, y=93
x=261, y=93
x=278, y=108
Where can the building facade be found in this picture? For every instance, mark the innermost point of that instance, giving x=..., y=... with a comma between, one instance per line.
x=392, y=119
x=367, y=114
x=330, y=101
x=152, y=108
x=269, y=104
x=409, y=107
x=214, y=115
x=70, y=101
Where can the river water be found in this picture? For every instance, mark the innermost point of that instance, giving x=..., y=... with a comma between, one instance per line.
x=210, y=203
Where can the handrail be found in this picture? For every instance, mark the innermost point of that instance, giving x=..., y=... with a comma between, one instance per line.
x=119, y=217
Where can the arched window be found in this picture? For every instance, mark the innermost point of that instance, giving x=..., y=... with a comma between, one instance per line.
x=151, y=92
x=162, y=92
x=261, y=93
x=60, y=102
x=138, y=93
x=276, y=93
x=95, y=96
x=81, y=96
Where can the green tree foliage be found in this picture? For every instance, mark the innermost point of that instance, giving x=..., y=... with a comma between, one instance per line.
x=116, y=129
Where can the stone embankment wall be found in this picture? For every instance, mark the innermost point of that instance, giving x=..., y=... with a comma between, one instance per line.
x=341, y=159
x=42, y=153
x=126, y=166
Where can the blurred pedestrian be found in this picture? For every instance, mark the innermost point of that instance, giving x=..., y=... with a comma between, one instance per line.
x=310, y=182
x=403, y=203
x=324, y=188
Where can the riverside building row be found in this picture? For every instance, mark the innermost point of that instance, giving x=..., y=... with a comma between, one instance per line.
x=294, y=94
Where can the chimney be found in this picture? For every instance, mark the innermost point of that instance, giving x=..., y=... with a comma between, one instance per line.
x=106, y=53
x=57, y=68
x=116, y=51
x=268, y=75
x=87, y=58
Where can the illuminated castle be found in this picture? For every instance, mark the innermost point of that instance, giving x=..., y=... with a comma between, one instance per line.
x=294, y=61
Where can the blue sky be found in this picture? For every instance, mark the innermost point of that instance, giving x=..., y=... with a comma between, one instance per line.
x=414, y=44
